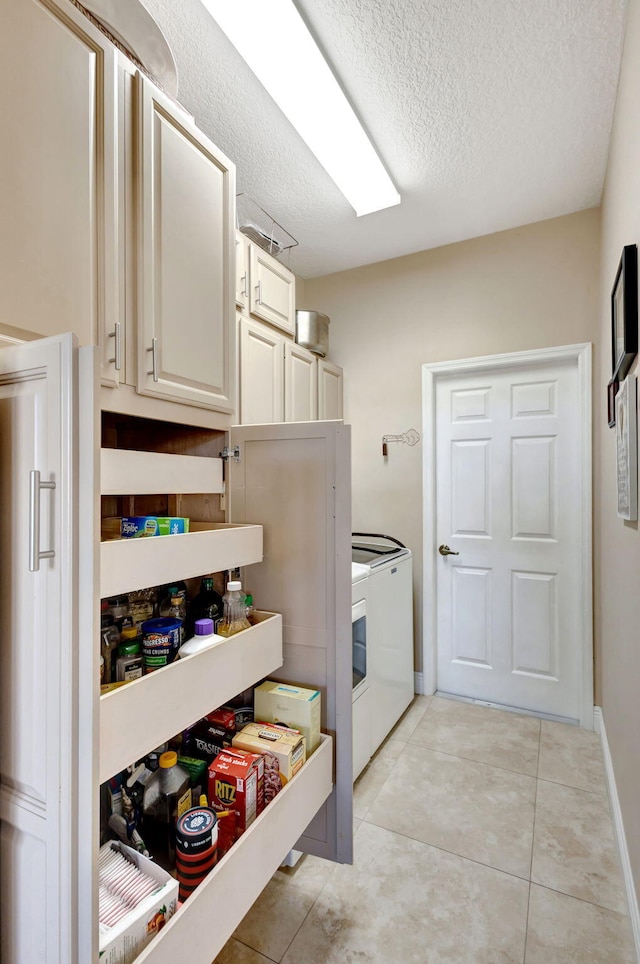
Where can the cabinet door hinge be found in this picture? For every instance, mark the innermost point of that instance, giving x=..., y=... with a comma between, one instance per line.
x=228, y=453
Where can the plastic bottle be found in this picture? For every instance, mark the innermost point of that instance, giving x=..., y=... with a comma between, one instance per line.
x=234, y=619
x=129, y=664
x=109, y=642
x=177, y=608
x=167, y=795
x=119, y=609
x=249, y=607
x=203, y=638
x=207, y=604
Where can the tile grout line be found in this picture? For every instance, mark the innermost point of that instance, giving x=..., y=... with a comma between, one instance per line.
x=304, y=919
x=467, y=759
x=533, y=837
x=452, y=853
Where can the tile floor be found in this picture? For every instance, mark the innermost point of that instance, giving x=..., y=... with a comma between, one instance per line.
x=481, y=837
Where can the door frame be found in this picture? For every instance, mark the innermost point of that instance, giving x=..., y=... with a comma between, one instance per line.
x=431, y=373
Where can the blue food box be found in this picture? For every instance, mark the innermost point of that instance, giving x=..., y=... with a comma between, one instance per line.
x=140, y=526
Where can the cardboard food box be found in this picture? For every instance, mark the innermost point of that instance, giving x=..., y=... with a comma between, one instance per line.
x=122, y=943
x=236, y=782
x=287, y=745
x=295, y=706
x=213, y=733
x=139, y=526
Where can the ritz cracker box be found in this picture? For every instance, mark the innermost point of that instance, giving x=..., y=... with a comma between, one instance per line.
x=296, y=706
x=236, y=783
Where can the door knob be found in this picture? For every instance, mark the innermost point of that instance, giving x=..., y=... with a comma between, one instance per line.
x=446, y=551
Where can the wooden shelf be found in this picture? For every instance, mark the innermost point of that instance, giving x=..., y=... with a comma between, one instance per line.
x=125, y=472
x=146, y=712
x=209, y=917
x=209, y=547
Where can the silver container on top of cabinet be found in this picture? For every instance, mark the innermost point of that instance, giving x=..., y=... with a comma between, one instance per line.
x=312, y=331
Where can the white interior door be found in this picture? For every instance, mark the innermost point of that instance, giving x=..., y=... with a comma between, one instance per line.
x=510, y=500
x=42, y=679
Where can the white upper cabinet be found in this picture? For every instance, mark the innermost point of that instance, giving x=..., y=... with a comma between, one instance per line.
x=330, y=382
x=58, y=207
x=242, y=272
x=186, y=193
x=272, y=290
x=261, y=373
x=300, y=384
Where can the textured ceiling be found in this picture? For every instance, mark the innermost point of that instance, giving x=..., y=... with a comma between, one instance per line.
x=488, y=114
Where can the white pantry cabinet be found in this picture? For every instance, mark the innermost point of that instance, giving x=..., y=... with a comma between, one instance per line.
x=186, y=262
x=330, y=390
x=272, y=290
x=278, y=380
x=288, y=497
x=116, y=217
x=59, y=266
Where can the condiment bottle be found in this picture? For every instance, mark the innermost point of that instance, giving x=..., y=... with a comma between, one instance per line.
x=109, y=642
x=234, y=619
x=129, y=664
x=167, y=795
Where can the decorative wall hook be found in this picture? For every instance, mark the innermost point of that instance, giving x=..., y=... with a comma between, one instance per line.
x=410, y=437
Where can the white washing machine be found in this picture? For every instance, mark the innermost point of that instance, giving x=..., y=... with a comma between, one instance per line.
x=360, y=659
x=390, y=669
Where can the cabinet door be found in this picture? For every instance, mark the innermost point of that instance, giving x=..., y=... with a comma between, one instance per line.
x=300, y=384
x=330, y=380
x=242, y=271
x=47, y=803
x=295, y=481
x=273, y=290
x=261, y=373
x=58, y=223
x=186, y=258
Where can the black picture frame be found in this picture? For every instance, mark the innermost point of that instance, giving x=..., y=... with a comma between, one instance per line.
x=624, y=313
x=612, y=389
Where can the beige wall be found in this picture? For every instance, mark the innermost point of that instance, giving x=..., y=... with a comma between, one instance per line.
x=617, y=542
x=532, y=287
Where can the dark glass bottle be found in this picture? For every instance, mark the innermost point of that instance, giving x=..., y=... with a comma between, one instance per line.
x=206, y=605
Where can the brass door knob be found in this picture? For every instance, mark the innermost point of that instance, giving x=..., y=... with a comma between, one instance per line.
x=446, y=551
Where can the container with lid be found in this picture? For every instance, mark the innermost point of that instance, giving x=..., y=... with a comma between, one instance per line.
x=203, y=638
x=129, y=664
x=160, y=642
x=167, y=795
x=312, y=331
x=234, y=619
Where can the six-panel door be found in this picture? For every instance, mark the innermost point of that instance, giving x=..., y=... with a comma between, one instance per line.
x=508, y=500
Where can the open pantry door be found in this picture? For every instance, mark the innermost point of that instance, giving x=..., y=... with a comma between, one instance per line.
x=294, y=479
x=47, y=680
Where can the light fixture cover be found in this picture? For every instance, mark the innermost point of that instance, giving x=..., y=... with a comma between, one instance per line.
x=276, y=44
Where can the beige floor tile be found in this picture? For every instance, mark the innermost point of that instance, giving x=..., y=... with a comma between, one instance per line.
x=573, y=846
x=372, y=778
x=477, y=811
x=406, y=903
x=275, y=917
x=572, y=756
x=563, y=930
x=479, y=733
x=234, y=952
x=407, y=723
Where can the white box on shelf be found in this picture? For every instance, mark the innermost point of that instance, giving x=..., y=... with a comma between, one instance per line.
x=122, y=943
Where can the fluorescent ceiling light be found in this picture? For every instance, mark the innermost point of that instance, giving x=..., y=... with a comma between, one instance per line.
x=273, y=39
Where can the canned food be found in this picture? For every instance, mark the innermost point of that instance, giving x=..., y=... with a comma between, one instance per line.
x=160, y=642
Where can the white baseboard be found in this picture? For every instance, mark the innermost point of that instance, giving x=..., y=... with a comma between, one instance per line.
x=418, y=683
x=618, y=827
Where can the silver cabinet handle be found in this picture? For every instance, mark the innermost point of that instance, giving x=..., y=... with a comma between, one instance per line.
x=35, y=485
x=243, y=279
x=259, y=290
x=117, y=356
x=154, y=359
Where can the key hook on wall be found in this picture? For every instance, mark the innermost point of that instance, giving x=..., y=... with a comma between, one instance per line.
x=410, y=437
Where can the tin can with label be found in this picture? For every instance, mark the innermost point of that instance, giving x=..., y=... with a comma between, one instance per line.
x=160, y=642
x=196, y=847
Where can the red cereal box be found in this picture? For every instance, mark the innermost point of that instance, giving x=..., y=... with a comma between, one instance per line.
x=236, y=782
